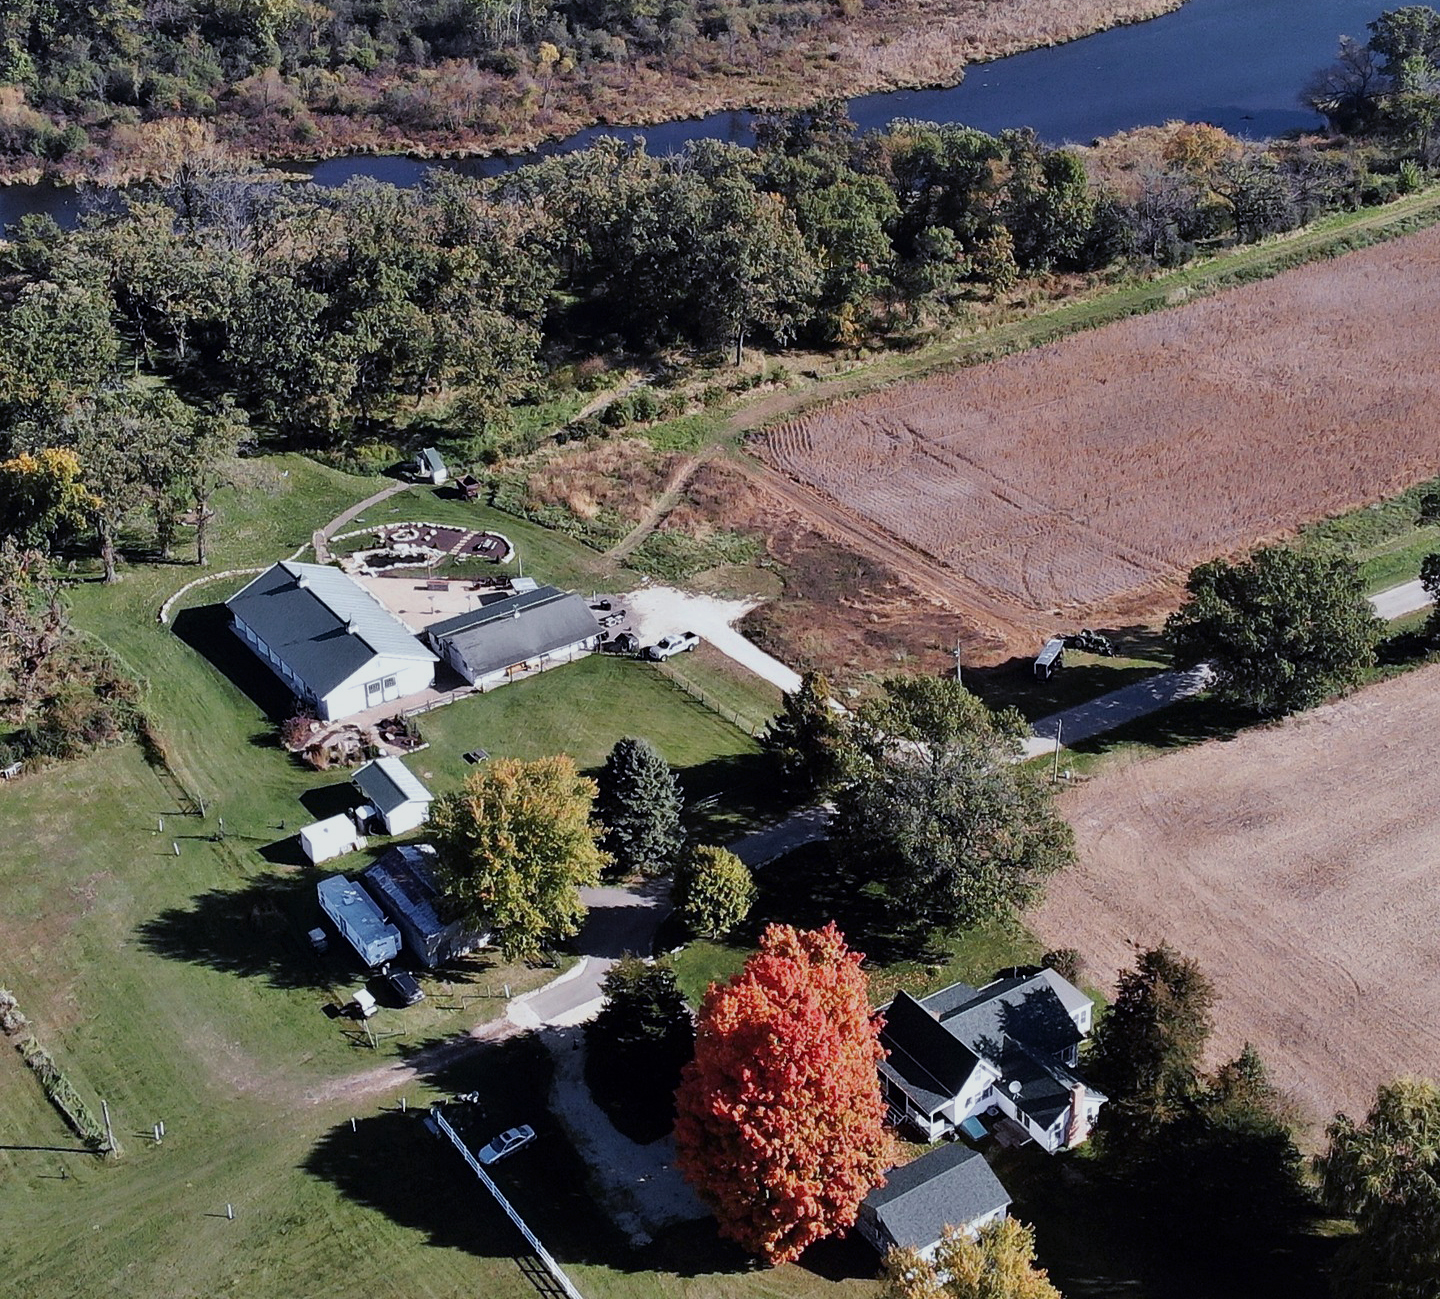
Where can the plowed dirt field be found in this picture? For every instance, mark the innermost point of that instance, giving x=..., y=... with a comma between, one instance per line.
x=1090, y=475
x=1300, y=865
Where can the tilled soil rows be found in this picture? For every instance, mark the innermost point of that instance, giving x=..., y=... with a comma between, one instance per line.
x=1090, y=475
x=1299, y=865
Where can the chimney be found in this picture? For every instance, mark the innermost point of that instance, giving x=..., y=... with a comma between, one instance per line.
x=303, y=581
x=350, y=625
x=1077, y=1129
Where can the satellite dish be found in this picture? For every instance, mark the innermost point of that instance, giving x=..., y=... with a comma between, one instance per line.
x=1015, y=1088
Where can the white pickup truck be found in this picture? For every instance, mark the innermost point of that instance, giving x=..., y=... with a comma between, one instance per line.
x=669, y=646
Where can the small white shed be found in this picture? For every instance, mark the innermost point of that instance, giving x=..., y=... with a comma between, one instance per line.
x=395, y=792
x=430, y=466
x=332, y=837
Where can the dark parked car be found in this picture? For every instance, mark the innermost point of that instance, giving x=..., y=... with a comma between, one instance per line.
x=404, y=987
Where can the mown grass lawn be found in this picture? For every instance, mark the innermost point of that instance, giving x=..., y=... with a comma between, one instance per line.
x=181, y=988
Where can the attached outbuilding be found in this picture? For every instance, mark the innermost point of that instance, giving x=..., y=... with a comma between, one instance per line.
x=337, y=648
x=403, y=883
x=395, y=792
x=333, y=837
x=521, y=633
x=950, y=1186
x=360, y=922
x=430, y=467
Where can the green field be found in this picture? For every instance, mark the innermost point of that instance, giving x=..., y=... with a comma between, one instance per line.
x=180, y=987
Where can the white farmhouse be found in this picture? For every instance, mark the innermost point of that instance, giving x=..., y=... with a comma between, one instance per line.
x=1009, y=1047
x=329, y=640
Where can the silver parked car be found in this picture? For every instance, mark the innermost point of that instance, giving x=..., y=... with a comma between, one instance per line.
x=507, y=1143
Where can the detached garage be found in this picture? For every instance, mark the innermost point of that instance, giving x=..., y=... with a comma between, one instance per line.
x=395, y=792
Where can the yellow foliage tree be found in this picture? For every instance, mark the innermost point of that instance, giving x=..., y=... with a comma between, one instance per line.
x=516, y=845
x=42, y=497
x=998, y=1262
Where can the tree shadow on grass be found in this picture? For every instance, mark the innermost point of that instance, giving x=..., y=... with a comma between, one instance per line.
x=1191, y=721
x=206, y=629
x=1013, y=684
x=392, y=1164
x=813, y=885
x=727, y=796
x=257, y=931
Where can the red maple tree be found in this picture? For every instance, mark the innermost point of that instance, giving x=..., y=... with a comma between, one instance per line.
x=779, y=1118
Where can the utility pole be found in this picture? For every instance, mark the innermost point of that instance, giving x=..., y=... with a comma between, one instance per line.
x=109, y=1131
x=1055, y=773
x=958, y=652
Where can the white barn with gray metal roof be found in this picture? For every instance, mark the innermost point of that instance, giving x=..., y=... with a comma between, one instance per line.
x=329, y=640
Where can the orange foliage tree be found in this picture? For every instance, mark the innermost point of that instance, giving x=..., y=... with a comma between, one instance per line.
x=780, y=1122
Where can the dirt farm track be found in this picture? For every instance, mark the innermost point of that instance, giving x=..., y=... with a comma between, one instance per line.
x=1090, y=475
x=1300, y=865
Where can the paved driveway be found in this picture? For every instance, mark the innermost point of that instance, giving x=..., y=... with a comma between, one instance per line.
x=1087, y=720
x=619, y=921
x=1397, y=601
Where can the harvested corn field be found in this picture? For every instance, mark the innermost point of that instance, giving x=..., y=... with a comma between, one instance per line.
x=1297, y=863
x=1090, y=475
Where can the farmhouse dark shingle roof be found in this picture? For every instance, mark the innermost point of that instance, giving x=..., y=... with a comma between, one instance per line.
x=516, y=629
x=928, y=1061
x=322, y=623
x=950, y=1186
x=1028, y=1009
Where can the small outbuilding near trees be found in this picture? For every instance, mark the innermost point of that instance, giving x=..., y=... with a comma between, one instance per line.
x=950, y=1186
x=395, y=792
x=330, y=838
x=430, y=466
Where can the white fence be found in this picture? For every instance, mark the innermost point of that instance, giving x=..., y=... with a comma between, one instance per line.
x=541, y=1252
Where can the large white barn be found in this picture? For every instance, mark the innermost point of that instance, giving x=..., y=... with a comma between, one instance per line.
x=329, y=640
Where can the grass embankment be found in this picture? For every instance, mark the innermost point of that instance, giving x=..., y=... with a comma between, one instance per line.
x=181, y=988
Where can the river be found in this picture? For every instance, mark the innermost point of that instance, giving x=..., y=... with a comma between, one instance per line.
x=1239, y=64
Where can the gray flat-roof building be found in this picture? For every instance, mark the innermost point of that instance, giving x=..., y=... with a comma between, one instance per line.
x=403, y=883
x=527, y=631
x=329, y=640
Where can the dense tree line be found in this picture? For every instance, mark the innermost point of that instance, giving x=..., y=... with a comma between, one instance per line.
x=322, y=316
x=284, y=74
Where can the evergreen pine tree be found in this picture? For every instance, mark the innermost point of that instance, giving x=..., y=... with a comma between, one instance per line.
x=639, y=806
x=807, y=738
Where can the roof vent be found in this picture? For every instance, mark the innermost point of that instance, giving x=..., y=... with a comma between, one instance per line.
x=351, y=626
x=303, y=581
